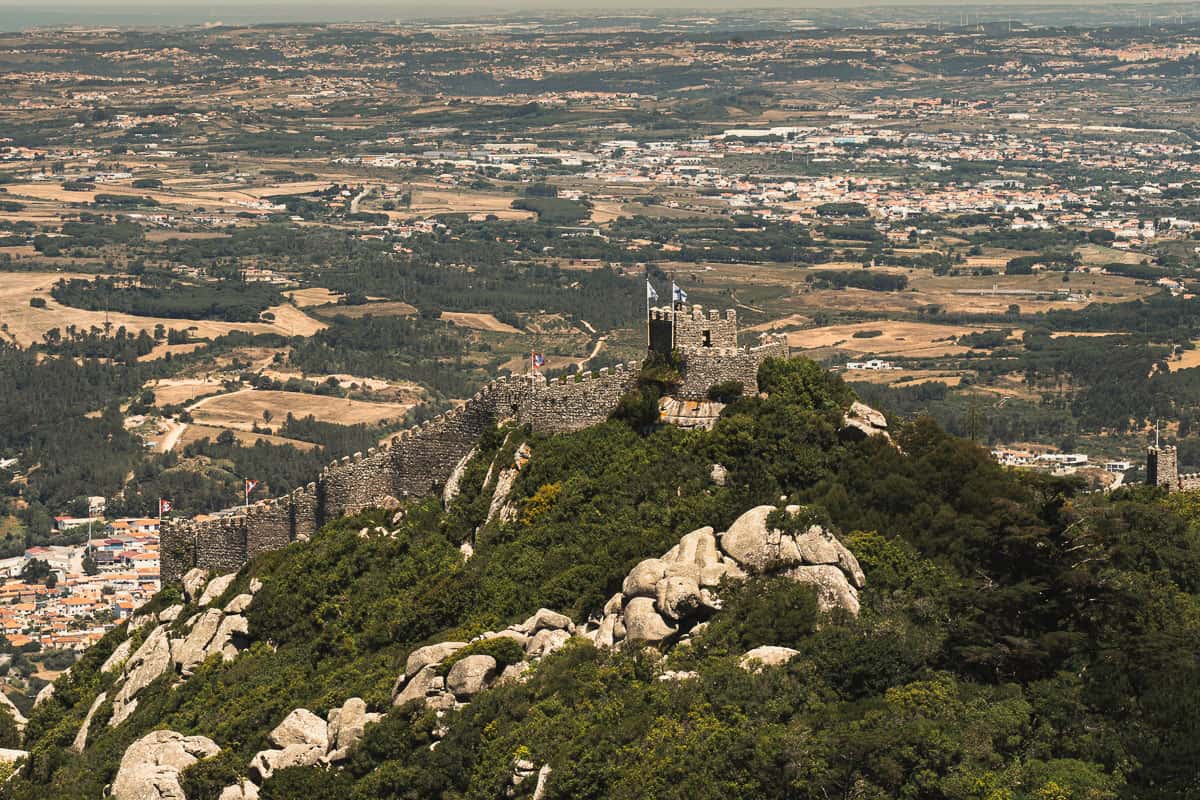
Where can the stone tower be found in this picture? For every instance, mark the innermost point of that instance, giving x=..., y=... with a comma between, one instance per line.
x=1162, y=467
x=683, y=328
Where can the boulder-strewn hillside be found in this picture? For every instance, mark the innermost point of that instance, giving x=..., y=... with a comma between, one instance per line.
x=802, y=602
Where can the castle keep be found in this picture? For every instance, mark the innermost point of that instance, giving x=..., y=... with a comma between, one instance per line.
x=419, y=460
x=1162, y=469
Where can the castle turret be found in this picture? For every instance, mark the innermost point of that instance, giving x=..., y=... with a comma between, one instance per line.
x=684, y=328
x=1162, y=467
x=660, y=329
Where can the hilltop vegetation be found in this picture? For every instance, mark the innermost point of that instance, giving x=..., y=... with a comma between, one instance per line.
x=1017, y=639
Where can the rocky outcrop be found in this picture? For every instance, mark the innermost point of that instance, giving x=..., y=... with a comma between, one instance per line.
x=539, y=790
x=862, y=421
x=119, y=656
x=245, y=790
x=539, y=635
x=689, y=414
x=211, y=632
x=266, y=762
x=545, y=619
x=523, y=770
x=11, y=756
x=345, y=727
x=718, y=474
x=151, y=766
x=215, y=588
x=81, y=736
x=834, y=590
x=454, y=482
x=239, y=603
x=500, y=507
x=150, y=660
x=424, y=685
x=643, y=623
x=766, y=656
x=301, y=727
x=17, y=716
x=303, y=739
x=756, y=546
x=189, y=651
x=661, y=599
x=545, y=642
x=45, y=695
x=193, y=582
x=430, y=655
x=470, y=675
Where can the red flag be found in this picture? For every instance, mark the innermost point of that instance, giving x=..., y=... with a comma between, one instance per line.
x=250, y=486
x=164, y=507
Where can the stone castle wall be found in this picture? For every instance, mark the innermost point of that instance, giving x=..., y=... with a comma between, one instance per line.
x=569, y=404
x=419, y=460
x=706, y=367
x=416, y=462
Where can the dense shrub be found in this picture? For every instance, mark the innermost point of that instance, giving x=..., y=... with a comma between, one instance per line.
x=1018, y=638
x=726, y=391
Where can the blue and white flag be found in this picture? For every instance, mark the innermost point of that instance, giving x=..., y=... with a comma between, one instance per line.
x=651, y=295
x=678, y=295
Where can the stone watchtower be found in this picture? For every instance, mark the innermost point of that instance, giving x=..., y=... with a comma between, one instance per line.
x=682, y=328
x=707, y=345
x=1162, y=467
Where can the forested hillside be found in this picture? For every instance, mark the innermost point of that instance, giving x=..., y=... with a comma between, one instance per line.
x=1017, y=638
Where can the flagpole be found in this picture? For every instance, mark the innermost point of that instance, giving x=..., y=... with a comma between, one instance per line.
x=646, y=291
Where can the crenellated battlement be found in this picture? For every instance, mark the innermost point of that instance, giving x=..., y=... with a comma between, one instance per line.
x=418, y=460
x=693, y=313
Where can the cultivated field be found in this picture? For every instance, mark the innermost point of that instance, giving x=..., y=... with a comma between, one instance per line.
x=305, y=298
x=449, y=201
x=1187, y=359
x=187, y=193
x=604, y=212
x=386, y=308
x=25, y=325
x=194, y=433
x=783, y=290
x=479, y=322
x=161, y=350
x=1099, y=255
x=244, y=409
x=182, y=390
x=54, y=193
x=912, y=339
x=902, y=377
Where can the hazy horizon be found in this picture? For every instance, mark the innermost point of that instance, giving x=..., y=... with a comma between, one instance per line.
x=17, y=14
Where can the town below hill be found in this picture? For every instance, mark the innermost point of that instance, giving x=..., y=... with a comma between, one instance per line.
x=58, y=600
